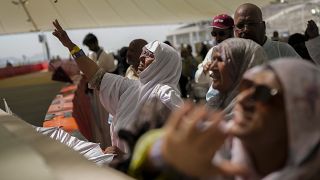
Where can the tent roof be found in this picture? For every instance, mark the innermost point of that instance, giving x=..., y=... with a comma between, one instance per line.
x=77, y=14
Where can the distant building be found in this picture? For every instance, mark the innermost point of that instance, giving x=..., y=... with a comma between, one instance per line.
x=290, y=16
x=285, y=16
x=191, y=34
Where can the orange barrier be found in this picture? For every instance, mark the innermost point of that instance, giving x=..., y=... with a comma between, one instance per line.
x=73, y=109
x=60, y=111
x=68, y=124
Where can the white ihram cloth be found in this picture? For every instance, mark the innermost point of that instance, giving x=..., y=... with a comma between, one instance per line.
x=123, y=97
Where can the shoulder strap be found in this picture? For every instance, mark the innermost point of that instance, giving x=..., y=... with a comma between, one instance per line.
x=99, y=53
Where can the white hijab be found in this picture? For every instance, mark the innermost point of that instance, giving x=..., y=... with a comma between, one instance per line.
x=239, y=55
x=160, y=79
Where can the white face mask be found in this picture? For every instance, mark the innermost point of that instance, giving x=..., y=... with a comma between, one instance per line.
x=214, y=42
x=212, y=94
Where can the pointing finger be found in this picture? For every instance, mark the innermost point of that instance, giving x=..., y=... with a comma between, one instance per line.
x=57, y=25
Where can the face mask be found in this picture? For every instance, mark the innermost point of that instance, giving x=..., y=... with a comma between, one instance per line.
x=214, y=42
x=212, y=95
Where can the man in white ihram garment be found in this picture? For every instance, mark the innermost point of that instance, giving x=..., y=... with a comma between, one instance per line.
x=104, y=59
x=249, y=24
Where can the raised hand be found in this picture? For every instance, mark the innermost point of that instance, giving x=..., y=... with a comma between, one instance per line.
x=86, y=65
x=190, y=142
x=312, y=30
x=62, y=35
x=206, y=67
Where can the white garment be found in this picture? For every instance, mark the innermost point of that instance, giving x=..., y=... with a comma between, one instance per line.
x=131, y=73
x=106, y=60
x=313, y=46
x=89, y=150
x=277, y=49
x=200, y=77
x=123, y=97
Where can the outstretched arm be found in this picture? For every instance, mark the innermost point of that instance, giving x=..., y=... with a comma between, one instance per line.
x=86, y=65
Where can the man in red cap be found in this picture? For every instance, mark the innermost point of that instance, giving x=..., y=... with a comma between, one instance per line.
x=222, y=28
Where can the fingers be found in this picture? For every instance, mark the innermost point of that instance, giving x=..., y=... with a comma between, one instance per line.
x=55, y=33
x=311, y=22
x=214, y=131
x=57, y=25
x=231, y=169
x=197, y=119
x=177, y=116
x=112, y=150
x=216, y=117
x=206, y=67
x=58, y=28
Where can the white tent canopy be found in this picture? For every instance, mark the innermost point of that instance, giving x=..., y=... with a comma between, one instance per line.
x=17, y=16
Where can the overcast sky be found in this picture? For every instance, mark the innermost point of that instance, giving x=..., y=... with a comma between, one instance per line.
x=111, y=39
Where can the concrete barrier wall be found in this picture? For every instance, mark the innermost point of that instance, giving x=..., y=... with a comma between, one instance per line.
x=20, y=70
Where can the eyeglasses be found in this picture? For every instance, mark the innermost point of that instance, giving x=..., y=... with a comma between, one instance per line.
x=220, y=33
x=264, y=93
x=261, y=92
x=146, y=53
x=247, y=25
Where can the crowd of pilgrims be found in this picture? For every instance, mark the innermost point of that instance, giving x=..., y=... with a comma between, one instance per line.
x=260, y=118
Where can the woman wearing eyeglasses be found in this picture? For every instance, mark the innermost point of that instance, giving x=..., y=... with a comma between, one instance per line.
x=159, y=71
x=275, y=133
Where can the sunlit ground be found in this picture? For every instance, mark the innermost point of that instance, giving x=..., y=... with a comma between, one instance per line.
x=29, y=96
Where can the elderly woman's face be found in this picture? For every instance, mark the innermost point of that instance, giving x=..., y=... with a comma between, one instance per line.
x=219, y=73
x=259, y=110
x=146, y=58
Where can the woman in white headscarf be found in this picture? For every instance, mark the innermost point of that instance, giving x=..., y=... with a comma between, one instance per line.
x=160, y=70
x=124, y=98
x=230, y=59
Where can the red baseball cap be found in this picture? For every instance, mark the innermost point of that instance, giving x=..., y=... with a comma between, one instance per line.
x=222, y=21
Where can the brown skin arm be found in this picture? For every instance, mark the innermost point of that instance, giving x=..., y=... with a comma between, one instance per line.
x=86, y=65
x=189, y=148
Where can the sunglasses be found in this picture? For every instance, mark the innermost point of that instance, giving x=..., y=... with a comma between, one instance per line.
x=220, y=33
x=247, y=25
x=147, y=53
x=261, y=92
